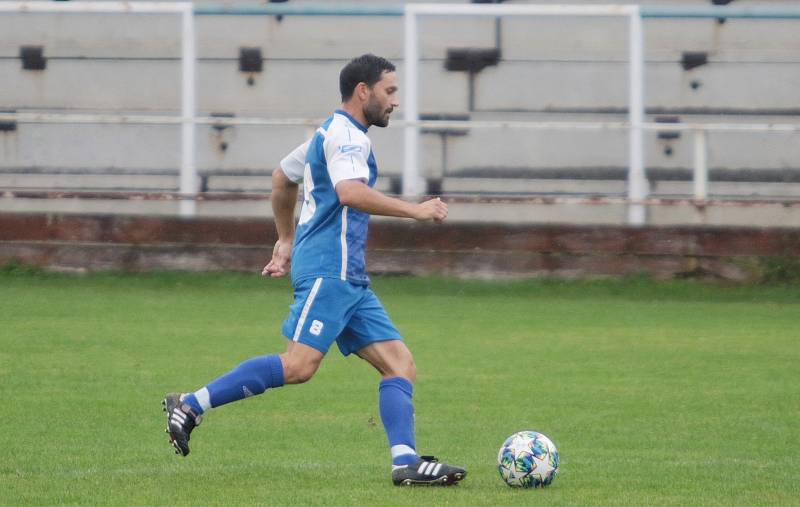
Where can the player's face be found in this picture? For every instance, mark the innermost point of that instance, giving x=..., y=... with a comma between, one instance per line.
x=382, y=100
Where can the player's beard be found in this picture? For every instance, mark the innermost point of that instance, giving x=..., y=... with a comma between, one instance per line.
x=375, y=114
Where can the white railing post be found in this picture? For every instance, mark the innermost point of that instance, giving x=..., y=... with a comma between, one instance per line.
x=188, y=175
x=700, y=166
x=411, y=109
x=637, y=181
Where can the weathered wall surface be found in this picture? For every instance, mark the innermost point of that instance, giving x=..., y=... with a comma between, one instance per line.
x=99, y=242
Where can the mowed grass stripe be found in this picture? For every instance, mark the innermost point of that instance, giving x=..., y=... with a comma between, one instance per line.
x=656, y=393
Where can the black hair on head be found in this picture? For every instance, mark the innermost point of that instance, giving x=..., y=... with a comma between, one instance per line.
x=366, y=68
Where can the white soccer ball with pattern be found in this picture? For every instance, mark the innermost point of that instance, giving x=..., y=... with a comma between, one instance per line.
x=528, y=459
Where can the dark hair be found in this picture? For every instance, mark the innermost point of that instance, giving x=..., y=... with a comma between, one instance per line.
x=363, y=69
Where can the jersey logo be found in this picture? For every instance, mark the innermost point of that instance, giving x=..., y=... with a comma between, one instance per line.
x=316, y=328
x=349, y=148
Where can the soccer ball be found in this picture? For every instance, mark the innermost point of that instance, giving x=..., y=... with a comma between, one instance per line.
x=528, y=459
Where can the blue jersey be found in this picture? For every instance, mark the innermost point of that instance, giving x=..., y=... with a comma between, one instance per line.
x=330, y=239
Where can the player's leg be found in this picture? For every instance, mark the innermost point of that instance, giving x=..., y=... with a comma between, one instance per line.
x=307, y=346
x=252, y=377
x=300, y=362
x=391, y=358
x=373, y=337
x=394, y=362
x=255, y=375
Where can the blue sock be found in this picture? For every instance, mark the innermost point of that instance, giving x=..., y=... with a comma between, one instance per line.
x=397, y=414
x=252, y=377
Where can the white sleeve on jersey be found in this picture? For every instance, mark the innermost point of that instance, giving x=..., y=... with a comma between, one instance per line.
x=294, y=164
x=346, y=153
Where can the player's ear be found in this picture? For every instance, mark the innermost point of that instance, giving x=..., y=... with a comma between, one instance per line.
x=362, y=90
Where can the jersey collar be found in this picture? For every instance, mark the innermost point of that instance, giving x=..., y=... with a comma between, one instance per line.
x=355, y=122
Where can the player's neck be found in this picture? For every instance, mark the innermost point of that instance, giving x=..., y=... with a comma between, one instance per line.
x=356, y=111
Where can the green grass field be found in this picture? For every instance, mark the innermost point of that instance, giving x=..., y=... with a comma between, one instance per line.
x=673, y=393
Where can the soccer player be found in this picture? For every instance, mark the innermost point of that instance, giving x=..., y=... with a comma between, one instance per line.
x=332, y=298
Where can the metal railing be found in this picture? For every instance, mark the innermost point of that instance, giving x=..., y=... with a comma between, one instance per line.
x=637, y=182
x=188, y=172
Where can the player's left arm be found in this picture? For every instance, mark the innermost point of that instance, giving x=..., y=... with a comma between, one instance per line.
x=358, y=195
x=349, y=171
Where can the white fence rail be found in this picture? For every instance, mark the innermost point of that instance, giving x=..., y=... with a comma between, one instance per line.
x=637, y=181
x=188, y=175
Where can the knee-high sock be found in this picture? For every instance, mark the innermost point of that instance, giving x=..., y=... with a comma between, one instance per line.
x=397, y=414
x=252, y=377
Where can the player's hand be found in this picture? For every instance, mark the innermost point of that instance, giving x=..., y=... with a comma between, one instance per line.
x=433, y=209
x=281, y=260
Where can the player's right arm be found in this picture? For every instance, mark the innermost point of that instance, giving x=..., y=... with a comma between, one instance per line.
x=285, y=180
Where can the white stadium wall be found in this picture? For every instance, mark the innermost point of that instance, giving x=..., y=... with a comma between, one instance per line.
x=551, y=70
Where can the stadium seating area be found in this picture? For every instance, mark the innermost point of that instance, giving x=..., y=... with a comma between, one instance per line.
x=569, y=69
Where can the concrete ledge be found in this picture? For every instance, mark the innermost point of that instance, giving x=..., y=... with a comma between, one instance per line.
x=101, y=242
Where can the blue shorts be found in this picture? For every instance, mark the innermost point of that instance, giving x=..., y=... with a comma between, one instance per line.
x=328, y=309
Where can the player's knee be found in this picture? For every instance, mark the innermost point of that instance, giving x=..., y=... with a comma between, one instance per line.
x=303, y=375
x=411, y=371
x=298, y=372
x=408, y=368
x=405, y=368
